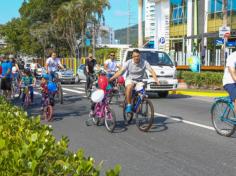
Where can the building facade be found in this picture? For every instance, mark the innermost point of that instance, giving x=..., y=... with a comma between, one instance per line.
x=186, y=27
x=106, y=35
x=150, y=22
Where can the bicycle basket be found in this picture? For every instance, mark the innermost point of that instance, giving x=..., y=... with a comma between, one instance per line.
x=97, y=95
x=52, y=87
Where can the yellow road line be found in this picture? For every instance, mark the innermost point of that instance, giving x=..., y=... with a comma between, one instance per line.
x=201, y=94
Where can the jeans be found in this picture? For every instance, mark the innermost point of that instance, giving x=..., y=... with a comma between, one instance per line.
x=89, y=81
x=52, y=76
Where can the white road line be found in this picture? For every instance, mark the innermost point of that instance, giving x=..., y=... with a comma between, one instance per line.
x=186, y=121
x=79, y=88
x=75, y=91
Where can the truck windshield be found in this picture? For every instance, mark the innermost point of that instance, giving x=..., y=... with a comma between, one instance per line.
x=154, y=58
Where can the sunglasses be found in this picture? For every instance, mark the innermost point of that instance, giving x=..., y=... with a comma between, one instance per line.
x=112, y=55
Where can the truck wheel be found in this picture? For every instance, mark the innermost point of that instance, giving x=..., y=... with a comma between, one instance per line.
x=163, y=94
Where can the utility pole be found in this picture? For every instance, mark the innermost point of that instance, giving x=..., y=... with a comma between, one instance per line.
x=225, y=21
x=128, y=29
x=140, y=23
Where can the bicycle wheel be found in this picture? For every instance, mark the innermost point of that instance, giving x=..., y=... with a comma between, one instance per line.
x=128, y=117
x=26, y=101
x=222, y=115
x=145, y=115
x=47, y=113
x=60, y=93
x=110, y=120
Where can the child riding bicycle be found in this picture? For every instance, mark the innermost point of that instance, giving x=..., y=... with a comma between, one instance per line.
x=28, y=81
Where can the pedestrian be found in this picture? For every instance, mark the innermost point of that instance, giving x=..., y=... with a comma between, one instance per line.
x=34, y=67
x=6, y=77
x=203, y=54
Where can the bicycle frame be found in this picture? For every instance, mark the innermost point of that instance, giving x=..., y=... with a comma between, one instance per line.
x=227, y=109
x=140, y=94
x=102, y=107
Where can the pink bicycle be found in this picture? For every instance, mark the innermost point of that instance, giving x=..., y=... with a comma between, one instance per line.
x=101, y=110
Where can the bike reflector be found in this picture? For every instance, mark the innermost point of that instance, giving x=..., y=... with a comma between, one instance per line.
x=97, y=95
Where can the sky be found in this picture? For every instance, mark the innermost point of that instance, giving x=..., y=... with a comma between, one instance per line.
x=116, y=17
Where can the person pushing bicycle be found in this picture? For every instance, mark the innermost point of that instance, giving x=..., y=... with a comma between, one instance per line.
x=135, y=68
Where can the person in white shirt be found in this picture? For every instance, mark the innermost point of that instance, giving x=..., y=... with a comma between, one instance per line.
x=229, y=78
x=111, y=65
x=34, y=67
x=52, y=65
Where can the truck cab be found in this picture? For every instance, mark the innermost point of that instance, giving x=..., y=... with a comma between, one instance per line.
x=162, y=65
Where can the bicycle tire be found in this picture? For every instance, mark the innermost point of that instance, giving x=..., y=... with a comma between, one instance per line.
x=214, y=117
x=110, y=116
x=26, y=101
x=47, y=113
x=128, y=117
x=147, y=123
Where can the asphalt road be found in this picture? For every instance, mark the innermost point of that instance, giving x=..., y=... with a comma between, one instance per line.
x=181, y=142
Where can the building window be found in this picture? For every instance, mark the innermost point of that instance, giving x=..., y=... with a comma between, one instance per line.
x=177, y=15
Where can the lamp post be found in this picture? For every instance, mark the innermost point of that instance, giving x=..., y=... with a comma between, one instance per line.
x=140, y=23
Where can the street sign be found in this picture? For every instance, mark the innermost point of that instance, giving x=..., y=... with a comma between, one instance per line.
x=162, y=40
x=219, y=42
x=223, y=30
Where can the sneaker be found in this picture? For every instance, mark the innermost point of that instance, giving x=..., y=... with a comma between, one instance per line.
x=128, y=109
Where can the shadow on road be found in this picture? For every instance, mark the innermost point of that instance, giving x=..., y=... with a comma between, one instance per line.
x=172, y=96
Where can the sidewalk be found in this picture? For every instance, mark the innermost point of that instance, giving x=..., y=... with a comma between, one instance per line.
x=183, y=90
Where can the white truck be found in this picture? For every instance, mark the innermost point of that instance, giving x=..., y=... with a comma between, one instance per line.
x=162, y=65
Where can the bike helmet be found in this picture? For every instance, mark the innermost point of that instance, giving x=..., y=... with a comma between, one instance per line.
x=52, y=87
x=102, y=82
x=45, y=76
x=121, y=80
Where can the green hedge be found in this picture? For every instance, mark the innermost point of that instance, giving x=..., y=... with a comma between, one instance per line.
x=28, y=148
x=206, y=79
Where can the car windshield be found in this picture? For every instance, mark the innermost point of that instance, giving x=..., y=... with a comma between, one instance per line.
x=154, y=58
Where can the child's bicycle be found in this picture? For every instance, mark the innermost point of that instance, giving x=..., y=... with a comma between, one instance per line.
x=27, y=99
x=142, y=107
x=102, y=110
x=223, y=116
x=48, y=106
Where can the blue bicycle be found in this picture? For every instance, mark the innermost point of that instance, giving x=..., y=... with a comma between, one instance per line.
x=142, y=108
x=223, y=116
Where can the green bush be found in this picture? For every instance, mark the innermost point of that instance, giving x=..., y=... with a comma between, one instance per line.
x=28, y=148
x=212, y=80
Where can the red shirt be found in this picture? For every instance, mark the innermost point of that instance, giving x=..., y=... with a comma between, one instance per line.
x=44, y=87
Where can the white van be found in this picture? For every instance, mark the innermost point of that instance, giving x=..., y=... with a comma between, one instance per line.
x=162, y=65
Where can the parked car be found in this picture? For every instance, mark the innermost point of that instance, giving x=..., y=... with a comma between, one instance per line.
x=80, y=73
x=67, y=75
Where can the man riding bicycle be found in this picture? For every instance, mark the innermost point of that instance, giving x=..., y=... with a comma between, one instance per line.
x=90, y=63
x=135, y=68
x=111, y=65
x=52, y=64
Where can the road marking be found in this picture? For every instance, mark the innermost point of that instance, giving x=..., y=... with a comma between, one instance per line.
x=79, y=88
x=75, y=91
x=186, y=121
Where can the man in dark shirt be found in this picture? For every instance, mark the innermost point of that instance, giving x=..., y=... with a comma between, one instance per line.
x=90, y=63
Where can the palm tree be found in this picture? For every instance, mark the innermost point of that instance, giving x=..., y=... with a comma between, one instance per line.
x=140, y=26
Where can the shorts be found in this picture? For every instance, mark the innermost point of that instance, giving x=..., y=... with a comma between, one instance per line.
x=6, y=83
x=129, y=81
x=231, y=89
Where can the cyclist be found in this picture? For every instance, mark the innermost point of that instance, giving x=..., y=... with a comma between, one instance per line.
x=111, y=65
x=6, y=77
x=135, y=68
x=229, y=78
x=90, y=64
x=52, y=64
x=29, y=81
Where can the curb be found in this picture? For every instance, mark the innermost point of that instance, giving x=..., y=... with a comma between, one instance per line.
x=199, y=94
